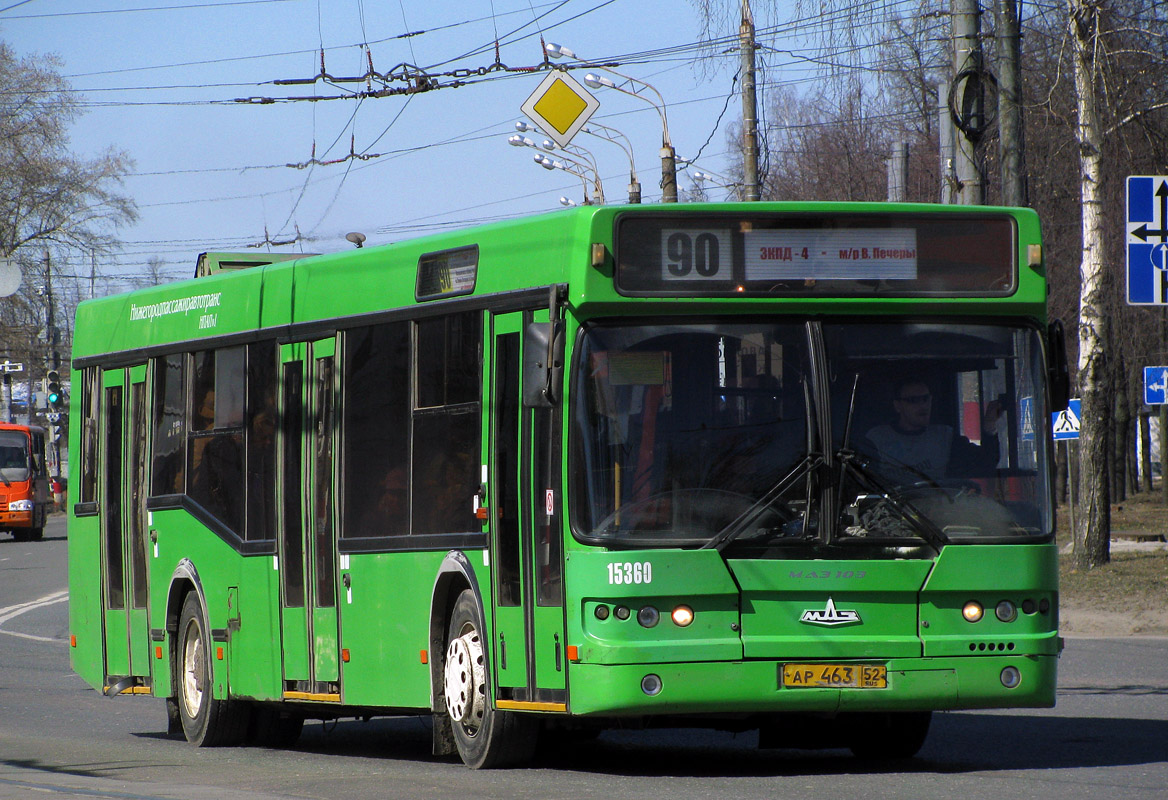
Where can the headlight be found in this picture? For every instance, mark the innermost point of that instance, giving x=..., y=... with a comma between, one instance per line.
x=1006, y=611
x=682, y=616
x=648, y=617
x=20, y=505
x=972, y=611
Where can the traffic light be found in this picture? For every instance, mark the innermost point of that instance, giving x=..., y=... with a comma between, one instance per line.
x=56, y=396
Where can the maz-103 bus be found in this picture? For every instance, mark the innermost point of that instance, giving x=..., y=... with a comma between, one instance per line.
x=25, y=500
x=606, y=466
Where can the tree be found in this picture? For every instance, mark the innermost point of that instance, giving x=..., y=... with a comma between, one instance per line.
x=1093, y=525
x=52, y=203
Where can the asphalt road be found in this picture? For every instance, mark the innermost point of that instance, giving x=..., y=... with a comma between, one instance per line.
x=1108, y=737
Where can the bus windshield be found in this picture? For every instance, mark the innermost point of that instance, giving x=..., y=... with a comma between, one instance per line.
x=693, y=434
x=14, y=455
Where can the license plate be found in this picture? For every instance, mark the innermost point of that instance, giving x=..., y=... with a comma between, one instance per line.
x=835, y=676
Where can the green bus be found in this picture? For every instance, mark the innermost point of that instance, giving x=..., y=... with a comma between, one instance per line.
x=773, y=466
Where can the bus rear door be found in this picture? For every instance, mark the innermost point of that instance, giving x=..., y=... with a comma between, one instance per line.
x=123, y=531
x=307, y=549
x=525, y=545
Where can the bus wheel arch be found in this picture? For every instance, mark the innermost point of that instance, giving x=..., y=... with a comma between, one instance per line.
x=204, y=720
x=485, y=736
x=455, y=575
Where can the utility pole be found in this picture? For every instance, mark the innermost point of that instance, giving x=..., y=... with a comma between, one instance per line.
x=54, y=355
x=945, y=138
x=968, y=104
x=898, y=172
x=1007, y=47
x=749, y=105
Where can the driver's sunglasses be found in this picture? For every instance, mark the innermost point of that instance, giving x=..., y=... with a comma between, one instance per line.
x=915, y=399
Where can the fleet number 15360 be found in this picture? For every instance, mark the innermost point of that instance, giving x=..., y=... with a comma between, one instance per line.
x=622, y=572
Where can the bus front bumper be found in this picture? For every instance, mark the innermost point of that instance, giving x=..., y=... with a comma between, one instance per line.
x=756, y=687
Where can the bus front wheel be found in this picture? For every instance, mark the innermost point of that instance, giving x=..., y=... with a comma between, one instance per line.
x=206, y=722
x=485, y=736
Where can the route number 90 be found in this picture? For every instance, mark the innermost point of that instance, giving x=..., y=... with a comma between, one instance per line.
x=630, y=572
x=693, y=255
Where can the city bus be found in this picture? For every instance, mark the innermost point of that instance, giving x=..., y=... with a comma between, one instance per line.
x=607, y=466
x=24, y=482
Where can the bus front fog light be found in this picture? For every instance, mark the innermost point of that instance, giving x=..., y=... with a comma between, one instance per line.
x=972, y=611
x=682, y=616
x=1011, y=677
x=651, y=685
x=1006, y=611
x=648, y=617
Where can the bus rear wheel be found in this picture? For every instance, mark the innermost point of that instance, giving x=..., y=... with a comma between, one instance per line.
x=206, y=722
x=485, y=736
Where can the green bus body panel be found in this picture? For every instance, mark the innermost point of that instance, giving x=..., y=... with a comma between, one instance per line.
x=753, y=686
x=85, y=623
x=990, y=574
x=386, y=626
x=240, y=595
x=697, y=578
x=777, y=594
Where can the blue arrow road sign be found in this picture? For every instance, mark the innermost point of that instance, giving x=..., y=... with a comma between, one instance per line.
x=1155, y=386
x=1065, y=424
x=1147, y=240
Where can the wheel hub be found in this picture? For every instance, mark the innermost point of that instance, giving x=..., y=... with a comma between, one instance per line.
x=466, y=687
x=192, y=673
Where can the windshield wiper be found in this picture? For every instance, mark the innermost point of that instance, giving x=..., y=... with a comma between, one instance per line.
x=851, y=462
x=741, y=523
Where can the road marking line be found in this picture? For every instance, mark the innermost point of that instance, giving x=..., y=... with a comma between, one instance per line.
x=11, y=612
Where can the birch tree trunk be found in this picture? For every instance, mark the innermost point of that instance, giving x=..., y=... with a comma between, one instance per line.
x=1093, y=522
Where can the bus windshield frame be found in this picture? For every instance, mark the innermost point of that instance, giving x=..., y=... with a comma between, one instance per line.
x=775, y=434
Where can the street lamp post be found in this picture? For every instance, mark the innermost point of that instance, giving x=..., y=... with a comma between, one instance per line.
x=611, y=134
x=580, y=168
x=608, y=134
x=633, y=87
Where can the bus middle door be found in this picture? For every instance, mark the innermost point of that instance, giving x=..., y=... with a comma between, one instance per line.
x=307, y=549
x=525, y=545
x=123, y=525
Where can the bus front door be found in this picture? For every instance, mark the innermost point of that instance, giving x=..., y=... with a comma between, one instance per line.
x=124, y=571
x=307, y=549
x=524, y=506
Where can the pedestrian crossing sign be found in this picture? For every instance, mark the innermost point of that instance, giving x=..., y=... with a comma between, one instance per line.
x=1065, y=424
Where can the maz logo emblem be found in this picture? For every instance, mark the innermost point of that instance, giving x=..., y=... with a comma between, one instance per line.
x=830, y=616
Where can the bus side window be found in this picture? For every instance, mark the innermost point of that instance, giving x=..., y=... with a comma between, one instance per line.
x=215, y=448
x=169, y=414
x=447, y=424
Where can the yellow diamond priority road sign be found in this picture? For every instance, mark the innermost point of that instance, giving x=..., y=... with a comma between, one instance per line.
x=560, y=106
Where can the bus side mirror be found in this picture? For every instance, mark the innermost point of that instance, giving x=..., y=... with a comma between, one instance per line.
x=1058, y=374
x=543, y=364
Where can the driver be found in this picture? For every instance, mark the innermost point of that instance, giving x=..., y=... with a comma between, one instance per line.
x=912, y=449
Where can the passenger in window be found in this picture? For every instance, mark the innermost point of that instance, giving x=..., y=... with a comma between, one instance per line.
x=912, y=449
x=385, y=514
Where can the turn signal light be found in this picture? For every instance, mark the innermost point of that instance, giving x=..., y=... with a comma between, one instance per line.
x=682, y=616
x=972, y=611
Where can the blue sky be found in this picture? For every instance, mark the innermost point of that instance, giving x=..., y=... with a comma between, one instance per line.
x=158, y=79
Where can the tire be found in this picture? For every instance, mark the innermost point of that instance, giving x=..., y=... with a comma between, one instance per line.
x=485, y=736
x=892, y=735
x=206, y=722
